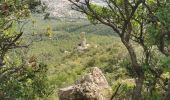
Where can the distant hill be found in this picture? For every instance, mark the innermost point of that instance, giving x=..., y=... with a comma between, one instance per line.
x=62, y=8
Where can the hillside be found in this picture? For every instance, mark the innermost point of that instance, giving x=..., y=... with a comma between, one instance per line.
x=65, y=68
x=119, y=50
x=62, y=8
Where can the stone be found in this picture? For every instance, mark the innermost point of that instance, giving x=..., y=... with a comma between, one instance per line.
x=92, y=86
x=82, y=39
x=83, y=43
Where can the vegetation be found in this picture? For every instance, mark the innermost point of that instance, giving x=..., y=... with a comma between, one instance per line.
x=130, y=19
x=129, y=41
x=20, y=78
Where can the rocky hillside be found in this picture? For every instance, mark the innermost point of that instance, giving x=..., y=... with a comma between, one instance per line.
x=62, y=8
x=59, y=8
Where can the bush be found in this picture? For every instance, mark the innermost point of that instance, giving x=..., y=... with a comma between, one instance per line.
x=26, y=82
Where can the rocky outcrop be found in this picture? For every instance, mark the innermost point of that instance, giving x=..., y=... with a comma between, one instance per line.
x=62, y=8
x=92, y=86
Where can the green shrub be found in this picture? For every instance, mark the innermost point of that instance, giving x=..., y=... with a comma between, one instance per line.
x=28, y=82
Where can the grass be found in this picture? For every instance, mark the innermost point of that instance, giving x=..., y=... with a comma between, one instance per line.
x=65, y=37
x=65, y=68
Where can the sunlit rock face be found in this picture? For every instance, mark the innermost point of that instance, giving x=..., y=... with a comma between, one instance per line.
x=62, y=8
x=92, y=86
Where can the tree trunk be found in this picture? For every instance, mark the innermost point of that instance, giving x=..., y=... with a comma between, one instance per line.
x=137, y=69
x=138, y=89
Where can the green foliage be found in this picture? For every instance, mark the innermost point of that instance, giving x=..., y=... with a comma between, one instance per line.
x=29, y=81
x=165, y=63
x=152, y=35
x=49, y=31
x=20, y=79
x=64, y=63
x=104, y=12
x=11, y=13
x=34, y=81
x=125, y=89
x=163, y=14
x=161, y=26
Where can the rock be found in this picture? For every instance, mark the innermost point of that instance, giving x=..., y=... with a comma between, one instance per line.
x=67, y=52
x=83, y=39
x=63, y=8
x=92, y=86
x=83, y=43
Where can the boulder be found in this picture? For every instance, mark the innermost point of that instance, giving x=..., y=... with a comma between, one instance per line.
x=92, y=86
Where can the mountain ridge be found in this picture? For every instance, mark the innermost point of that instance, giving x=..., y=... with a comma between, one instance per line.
x=62, y=8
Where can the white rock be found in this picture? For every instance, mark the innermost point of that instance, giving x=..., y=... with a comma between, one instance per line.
x=92, y=86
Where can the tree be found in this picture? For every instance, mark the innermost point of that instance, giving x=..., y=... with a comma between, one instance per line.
x=28, y=79
x=160, y=33
x=12, y=12
x=129, y=19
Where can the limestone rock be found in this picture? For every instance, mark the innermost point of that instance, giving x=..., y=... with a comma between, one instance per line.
x=83, y=43
x=92, y=86
x=62, y=9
